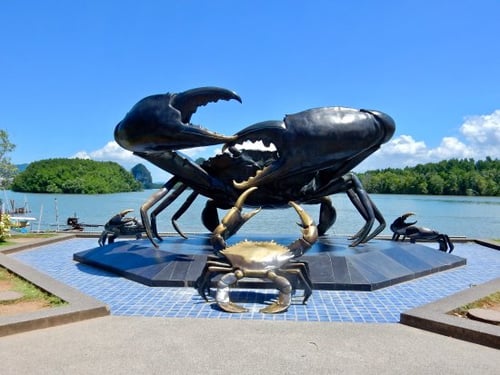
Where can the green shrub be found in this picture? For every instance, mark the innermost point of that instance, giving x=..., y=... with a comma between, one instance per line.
x=4, y=226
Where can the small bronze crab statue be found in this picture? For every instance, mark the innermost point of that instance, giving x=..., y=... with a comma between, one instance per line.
x=265, y=260
x=314, y=153
x=119, y=225
x=414, y=233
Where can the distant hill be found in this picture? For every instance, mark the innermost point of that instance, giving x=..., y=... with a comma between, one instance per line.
x=74, y=176
x=139, y=177
x=22, y=167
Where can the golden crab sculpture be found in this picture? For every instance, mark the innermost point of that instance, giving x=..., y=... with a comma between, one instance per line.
x=264, y=260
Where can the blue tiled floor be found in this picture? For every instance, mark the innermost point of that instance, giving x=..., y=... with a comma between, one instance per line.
x=129, y=298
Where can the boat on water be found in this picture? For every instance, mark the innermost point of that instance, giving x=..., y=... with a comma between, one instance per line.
x=21, y=223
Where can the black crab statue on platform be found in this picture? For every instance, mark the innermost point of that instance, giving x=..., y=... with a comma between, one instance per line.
x=120, y=225
x=400, y=227
x=315, y=151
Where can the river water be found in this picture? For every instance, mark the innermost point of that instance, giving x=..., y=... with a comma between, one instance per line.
x=473, y=217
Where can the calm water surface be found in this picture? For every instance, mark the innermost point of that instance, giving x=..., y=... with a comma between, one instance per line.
x=474, y=217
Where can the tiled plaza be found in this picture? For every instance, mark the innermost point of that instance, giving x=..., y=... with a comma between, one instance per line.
x=128, y=298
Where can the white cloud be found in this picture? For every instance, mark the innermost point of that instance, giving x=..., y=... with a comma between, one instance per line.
x=483, y=133
x=405, y=145
x=481, y=139
x=111, y=151
x=449, y=148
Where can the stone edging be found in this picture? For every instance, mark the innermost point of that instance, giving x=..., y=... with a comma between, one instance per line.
x=79, y=306
x=30, y=243
x=434, y=317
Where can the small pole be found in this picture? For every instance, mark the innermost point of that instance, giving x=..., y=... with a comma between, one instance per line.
x=40, y=217
x=57, y=215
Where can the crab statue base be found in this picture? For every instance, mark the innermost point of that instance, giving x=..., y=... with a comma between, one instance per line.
x=333, y=264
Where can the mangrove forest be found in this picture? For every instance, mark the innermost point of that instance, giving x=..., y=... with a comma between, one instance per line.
x=447, y=177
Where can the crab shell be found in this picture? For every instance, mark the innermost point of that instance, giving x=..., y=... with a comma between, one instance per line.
x=250, y=256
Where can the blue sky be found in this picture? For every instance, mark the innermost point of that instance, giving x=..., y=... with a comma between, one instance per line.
x=70, y=70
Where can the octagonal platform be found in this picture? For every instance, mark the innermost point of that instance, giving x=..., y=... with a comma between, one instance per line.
x=333, y=264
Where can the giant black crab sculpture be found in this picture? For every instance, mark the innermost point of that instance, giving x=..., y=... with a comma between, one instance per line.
x=400, y=227
x=315, y=151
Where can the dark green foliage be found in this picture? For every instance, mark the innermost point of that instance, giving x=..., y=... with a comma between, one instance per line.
x=448, y=177
x=74, y=176
x=142, y=174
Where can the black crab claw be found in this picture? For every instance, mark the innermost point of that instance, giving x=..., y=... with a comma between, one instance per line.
x=400, y=224
x=162, y=122
x=406, y=216
x=337, y=138
x=126, y=211
x=267, y=132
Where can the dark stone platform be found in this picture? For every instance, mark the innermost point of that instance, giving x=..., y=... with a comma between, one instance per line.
x=333, y=264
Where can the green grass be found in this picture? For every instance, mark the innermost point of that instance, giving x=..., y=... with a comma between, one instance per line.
x=12, y=239
x=32, y=235
x=29, y=291
x=485, y=302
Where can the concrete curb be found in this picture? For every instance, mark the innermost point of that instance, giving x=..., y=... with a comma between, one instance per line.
x=434, y=317
x=79, y=307
x=488, y=243
x=35, y=242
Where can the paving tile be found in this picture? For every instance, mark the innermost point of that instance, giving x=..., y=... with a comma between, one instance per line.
x=129, y=298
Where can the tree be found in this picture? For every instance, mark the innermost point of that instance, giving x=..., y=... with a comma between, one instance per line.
x=7, y=169
x=448, y=177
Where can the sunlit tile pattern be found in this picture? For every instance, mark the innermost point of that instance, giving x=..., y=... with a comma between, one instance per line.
x=128, y=298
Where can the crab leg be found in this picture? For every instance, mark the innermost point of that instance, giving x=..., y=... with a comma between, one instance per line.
x=103, y=238
x=360, y=201
x=212, y=268
x=154, y=199
x=366, y=208
x=181, y=211
x=327, y=215
x=222, y=296
x=285, y=295
x=447, y=242
x=301, y=270
x=164, y=204
x=209, y=215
